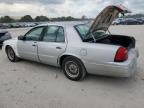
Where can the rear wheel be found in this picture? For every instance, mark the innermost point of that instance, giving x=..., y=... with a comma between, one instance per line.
x=73, y=68
x=11, y=54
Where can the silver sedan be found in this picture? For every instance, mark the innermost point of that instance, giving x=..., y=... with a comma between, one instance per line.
x=78, y=48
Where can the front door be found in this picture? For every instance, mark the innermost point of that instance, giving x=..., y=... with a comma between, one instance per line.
x=27, y=48
x=53, y=44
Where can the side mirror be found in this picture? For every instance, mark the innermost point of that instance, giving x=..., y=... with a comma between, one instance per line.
x=20, y=37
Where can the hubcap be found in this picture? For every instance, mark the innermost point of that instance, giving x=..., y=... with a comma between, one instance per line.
x=10, y=53
x=72, y=69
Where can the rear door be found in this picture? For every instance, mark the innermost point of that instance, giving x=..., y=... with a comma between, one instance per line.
x=53, y=44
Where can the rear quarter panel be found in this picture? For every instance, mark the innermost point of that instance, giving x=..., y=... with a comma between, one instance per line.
x=98, y=56
x=93, y=55
x=98, y=53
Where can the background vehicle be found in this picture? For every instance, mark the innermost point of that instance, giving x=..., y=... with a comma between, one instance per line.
x=117, y=21
x=3, y=26
x=141, y=20
x=4, y=35
x=128, y=21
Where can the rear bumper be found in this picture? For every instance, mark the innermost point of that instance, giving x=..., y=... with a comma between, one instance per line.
x=117, y=69
x=125, y=69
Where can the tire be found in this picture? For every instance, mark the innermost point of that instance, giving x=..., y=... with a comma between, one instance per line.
x=73, y=68
x=11, y=54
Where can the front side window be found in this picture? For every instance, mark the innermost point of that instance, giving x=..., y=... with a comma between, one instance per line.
x=34, y=34
x=54, y=34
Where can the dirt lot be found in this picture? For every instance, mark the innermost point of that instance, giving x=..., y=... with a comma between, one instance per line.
x=32, y=85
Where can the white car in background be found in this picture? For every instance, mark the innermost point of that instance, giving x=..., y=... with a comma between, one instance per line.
x=78, y=48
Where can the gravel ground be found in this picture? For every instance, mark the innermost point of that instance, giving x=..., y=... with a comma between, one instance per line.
x=28, y=84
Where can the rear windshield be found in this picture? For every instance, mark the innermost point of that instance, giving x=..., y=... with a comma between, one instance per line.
x=83, y=31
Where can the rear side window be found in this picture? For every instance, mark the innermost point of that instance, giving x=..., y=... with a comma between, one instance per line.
x=54, y=34
x=60, y=35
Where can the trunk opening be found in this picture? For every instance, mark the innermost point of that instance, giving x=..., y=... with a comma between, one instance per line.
x=125, y=41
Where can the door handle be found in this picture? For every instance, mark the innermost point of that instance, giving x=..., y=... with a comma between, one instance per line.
x=58, y=48
x=33, y=45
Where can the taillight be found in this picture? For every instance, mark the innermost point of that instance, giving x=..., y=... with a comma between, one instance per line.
x=121, y=55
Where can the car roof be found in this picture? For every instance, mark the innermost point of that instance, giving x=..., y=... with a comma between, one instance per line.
x=64, y=24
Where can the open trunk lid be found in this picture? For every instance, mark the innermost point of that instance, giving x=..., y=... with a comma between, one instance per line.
x=106, y=17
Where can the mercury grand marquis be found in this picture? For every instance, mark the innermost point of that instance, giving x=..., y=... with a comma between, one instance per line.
x=78, y=48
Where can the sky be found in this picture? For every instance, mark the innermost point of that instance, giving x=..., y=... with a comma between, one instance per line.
x=58, y=8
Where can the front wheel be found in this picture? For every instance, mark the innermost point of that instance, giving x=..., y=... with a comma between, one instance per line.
x=73, y=68
x=11, y=54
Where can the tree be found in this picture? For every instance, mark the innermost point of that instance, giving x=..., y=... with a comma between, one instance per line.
x=26, y=18
x=6, y=19
x=83, y=17
x=69, y=18
x=41, y=18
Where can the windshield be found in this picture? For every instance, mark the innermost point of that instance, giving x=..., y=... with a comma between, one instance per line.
x=83, y=31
